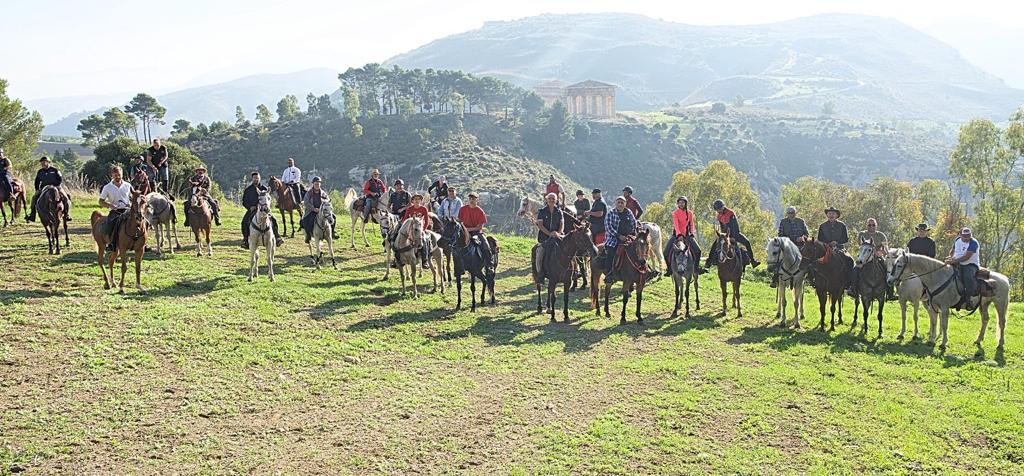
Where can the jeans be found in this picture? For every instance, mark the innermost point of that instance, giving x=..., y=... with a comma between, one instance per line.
x=369, y=205
x=609, y=256
x=968, y=273
x=5, y=183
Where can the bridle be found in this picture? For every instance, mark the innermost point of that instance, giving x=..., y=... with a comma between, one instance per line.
x=262, y=210
x=780, y=265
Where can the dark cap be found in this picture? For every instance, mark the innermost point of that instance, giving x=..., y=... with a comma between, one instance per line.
x=627, y=188
x=596, y=190
x=579, y=192
x=254, y=174
x=44, y=158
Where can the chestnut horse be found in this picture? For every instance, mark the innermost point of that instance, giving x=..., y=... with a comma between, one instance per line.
x=632, y=272
x=559, y=265
x=200, y=218
x=731, y=263
x=51, y=214
x=131, y=235
x=14, y=201
x=286, y=202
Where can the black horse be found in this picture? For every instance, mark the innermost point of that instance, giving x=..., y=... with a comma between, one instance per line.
x=469, y=258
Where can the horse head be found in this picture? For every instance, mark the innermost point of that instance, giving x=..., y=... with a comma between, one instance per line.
x=583, y=239
x=263, y=203
x=643, y=243
x=865, y=253
x=896, y=261
x=774, y=253
x=524, y=206
x=327, y=212
x=450, y=230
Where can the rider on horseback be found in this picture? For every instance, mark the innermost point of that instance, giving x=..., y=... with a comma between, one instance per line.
x=251, y=200
x=795, y=229
x=683, y=226
x=965, y=257
x=6, y=183
x=138, y=165
x=556, y=188
x=619, y=225
x=418, y=211
x=291, y=177
x=115, y=195
x=473, y=219
x=582, y=205
x=451, y=205
x=922, y=244
x=596, y=215
x=727, y=222
x=372, y=191
x=159, y=159
x=311, y=202
x=877, y=239
x=439, y=189
x=48, y=175
x=399, y=198
x=549, y=229
x=833, y=233
x=200, y=183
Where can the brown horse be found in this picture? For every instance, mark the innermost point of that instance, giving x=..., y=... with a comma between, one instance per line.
x=200, y=218
x=828, y=271
x=131, y=235
x=559, y=265
x=286, y=202
x=633, y=272
x=731, y=263
x=14, y=201
x=140, y=181
x=51, y=214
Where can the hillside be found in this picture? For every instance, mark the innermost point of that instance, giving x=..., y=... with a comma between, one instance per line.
x=869, y=67
x=217, y=102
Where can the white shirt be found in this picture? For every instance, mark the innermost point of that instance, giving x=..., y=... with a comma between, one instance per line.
x=960, y=248
x=291, y=175
x=118, y=197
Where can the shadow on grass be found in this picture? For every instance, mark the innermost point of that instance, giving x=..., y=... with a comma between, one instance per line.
x=8, y=297
x=182, y=288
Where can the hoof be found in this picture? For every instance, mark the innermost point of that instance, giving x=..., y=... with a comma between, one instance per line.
x=142, y=290
x=782, y=325
x=250, y=279
x=121, y=291
x=553, y=320
x=899, y=337
x=796, y=326
x=271, y=278
x=831, y=328
x=106, y=286
x=622, y=321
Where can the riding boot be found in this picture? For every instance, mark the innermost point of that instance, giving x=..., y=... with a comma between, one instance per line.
x=186, y=213
x=890, y=293
x=67, y=206
x=215, y=209
x=32, y=208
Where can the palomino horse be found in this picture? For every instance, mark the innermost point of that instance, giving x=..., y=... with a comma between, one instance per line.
x=632, y=272
x=15, y=202
x=872, y=284
x=785, y=262
x=51, y=214
x=731, y=263
x=684, y=272
x=199, y=218
x=161, y=217
x=351, y=200
x=943, y=290
x=286, y=202
x=558, y=265
x=909, y=289
x=323, y=230
x=410, y=239
x=261, y=233
x=828, y=270
x=130, y=233
x=469, y=260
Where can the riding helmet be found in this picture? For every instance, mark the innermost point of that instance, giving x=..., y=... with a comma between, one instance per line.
x=718, y=204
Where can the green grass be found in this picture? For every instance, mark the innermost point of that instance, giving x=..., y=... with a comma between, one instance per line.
x=335, y=372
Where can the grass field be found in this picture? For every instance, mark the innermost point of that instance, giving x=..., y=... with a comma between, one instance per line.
x=334, y=372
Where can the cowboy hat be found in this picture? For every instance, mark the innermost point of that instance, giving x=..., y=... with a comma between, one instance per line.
x=472, y=195
x=833, y=209
x=198, y=168
x=416, y=195
x=922, y=227
x=375, y=171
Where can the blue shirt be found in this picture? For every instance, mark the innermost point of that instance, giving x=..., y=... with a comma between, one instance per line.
x=449, y=208
x=613, y=221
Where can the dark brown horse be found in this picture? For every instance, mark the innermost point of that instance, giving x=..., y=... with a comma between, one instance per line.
x=633, y=271
x=286, y=202
x=15, y=201
x=828, y=271
x=731, y=263
x=872, y=284
x=52, y=214
x=559, y=264
x=131, y=235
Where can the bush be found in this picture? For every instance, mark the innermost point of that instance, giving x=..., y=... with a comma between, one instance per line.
x=122, y=151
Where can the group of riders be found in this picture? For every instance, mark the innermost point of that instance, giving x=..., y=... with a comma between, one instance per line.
x=611, y=227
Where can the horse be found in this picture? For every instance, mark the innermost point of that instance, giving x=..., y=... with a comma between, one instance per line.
x=633, y=272
x=684, y=272
x=261, y=233
x=199, y=217
x=908, y=289
x=558, y=265
x=785, y=262
x=731, y=264
x=829, y=271
x=323, y=230
x=468, y=259
x=131, y=235
x=942, y=288
x=388, y=232
x=51, y=214
x=15, y=201
x=140, y=182
x=351, y=200
x=410, y=238
x=872, y=284
x=160, y=215
x=286, y=202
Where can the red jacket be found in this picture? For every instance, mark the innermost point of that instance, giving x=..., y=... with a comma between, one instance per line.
x=374, y=188
x=414, y=210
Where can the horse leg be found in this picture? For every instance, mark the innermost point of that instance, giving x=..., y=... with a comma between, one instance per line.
x=539, y=309
x=944, y=322
x=780, y=307
x=565, y=301
x=639, y=303
x=100, y=247
x=254, y=260
x=933, y=321
x=736, y=298
x=140, y=252
x=881, y=307
x=983, y=310
x=607, y=292
x=725, y=307
x=856, y=311
x=111, y=257
x=1001, y=308
x=458, y=287
x=822, y=297
x=124, y=269
x=550, y=296
x=362, y=230
x=688, y=280
x=330, y=247
x=866, y=305
x=209, y=247
x=625, y=300
x=903, y=317
x=177, y=243
x=675, y=303
x=67, y=241
x=291, y=219
x=472, y=292
x=413, y=267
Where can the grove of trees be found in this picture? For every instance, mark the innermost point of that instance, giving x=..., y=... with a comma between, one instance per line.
x=19, y=130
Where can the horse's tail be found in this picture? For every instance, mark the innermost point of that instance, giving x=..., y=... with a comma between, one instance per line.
x=19, y=202
x=174, y=212
x=350, y=197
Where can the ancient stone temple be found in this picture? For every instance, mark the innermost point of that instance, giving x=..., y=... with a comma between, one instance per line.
x=592, y=99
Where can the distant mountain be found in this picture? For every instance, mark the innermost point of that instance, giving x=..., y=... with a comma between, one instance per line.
x=217, y=102
x=867, y=67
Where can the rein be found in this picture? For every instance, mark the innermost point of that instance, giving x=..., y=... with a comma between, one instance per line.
x=781, y=268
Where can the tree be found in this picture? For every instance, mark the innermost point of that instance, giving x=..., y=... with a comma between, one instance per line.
x=120, y=123
x=406, y=107
x=533, y=104
x=19, y=129
x=263, y=116
x=148, y=111
x=312, y=101
x=557, y=128
x=718, y=108
x=67, y=161
x=351, y=98
x=324, y=108
x=458, y=104
x=240, y=121
x=182, y=127
x=288, y=108
x=94, y=129
x=122, y=150
x=739, y=101
x=357, y=130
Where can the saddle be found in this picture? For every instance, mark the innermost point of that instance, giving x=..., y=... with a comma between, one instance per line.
x=986, y=285
x=359, y=204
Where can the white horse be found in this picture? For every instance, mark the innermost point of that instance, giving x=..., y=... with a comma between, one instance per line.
x=784, y=260
x=908, y=289
x=389, y=233
x=261, y=232
x=323, y=230
x=160, y=215
x=350, y=203
x=939, y=283
x=411, y=236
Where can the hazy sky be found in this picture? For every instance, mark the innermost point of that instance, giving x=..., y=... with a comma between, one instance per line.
x=62, y=48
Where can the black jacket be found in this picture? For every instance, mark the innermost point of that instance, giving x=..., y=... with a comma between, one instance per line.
x=829, y=232
x=251, y=195
x=922, y=246
x=48, y=176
